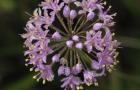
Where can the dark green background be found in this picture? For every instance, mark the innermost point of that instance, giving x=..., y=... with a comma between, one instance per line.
x=15, y=76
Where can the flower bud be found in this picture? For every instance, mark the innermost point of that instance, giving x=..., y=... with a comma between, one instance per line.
x=73, y=14
x=56, y=58
x=95, y=65
x=90, y=16
x=66, y=11
x=75, y=38
x=97, y=26
x=56, y=36
x=79, y=45
x=69, y=43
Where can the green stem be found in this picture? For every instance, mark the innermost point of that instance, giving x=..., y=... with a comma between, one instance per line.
x=62, y=51
x=58, y=44
x=82, y=32
x=78, y=23
x=71, y=59
x=69, y=25
x=80, y=59
x=86, y=56
x=66, y=57
x=71, y=22
x=74, y=56
x=82, y=24
x=62, y=22
x=91, y=25
x=56, y=49
x=57, y=29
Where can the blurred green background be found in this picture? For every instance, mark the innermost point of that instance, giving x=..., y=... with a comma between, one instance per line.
x=15, y=76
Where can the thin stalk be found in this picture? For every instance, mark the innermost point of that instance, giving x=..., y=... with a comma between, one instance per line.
x=76, y=52
x=80, y=59
x=82, y=32
x=86, y=56
x=69, y=26
x=74, y=56
x=57, y=29
x=62, y=22
x=68, y=20
x=64, y=39
x=81, y=25
x=89, y=26
x=78, y=22
x=58, y=44
x=66, y=56
x=83, y=37
x=56, y=49
x=71, y=59
x=63, y=50
x=71, y=22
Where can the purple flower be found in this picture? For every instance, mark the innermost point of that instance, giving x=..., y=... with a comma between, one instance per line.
x=71, y=82
x=46, y=73
x=89, y=42
x=105, y=58
x=63, y=70
x=87, y=5
x=52, y=4
x=89, y=78
x=71, y=38
x=107, y=19
x=95, y=41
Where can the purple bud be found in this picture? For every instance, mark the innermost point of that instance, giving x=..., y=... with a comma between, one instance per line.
x=89, y=78
x=66, y=11
x=95, y=65
x=78, y=68
x=56, y=58
x=56, y=36
x=61, y=70
x=97, y=26
x=73, y=14
x=75, y=38
x=90, y=16
x=69, y=43
x=67, y=71
x=79, y=45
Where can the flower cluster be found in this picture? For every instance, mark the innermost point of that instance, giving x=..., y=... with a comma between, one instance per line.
x=74, y=34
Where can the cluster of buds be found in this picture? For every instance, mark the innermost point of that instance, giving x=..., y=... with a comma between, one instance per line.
x=73, y=36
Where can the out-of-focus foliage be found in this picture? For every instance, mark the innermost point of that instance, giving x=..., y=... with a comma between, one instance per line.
x=15, y=76
x=7, y=5
x=133, y=6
